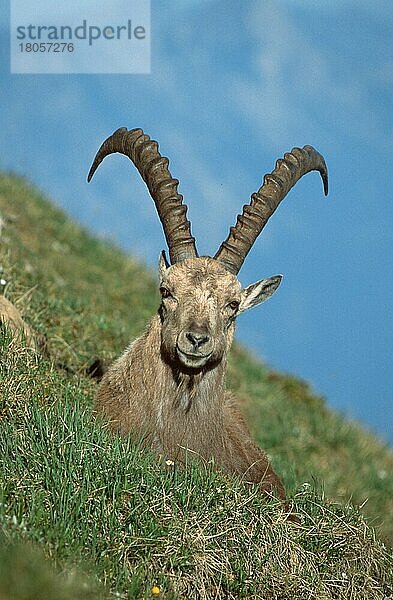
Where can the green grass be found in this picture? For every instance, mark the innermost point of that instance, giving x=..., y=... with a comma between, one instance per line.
x=84, y=514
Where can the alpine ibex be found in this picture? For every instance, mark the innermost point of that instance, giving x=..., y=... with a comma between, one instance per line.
x=168, y=388
x=23, y=334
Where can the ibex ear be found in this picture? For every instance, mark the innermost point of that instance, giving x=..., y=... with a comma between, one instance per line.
x=163, y=264
x=258, y=292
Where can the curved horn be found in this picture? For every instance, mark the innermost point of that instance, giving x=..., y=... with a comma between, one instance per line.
x=153, y=168
x=276, y=185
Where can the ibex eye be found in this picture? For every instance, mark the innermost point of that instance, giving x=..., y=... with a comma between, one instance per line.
x=234, y=305
x=165, y=293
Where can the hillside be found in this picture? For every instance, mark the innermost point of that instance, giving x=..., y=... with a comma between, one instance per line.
x=94, y=514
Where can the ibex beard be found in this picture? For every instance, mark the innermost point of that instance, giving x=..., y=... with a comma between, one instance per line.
x=168, y=388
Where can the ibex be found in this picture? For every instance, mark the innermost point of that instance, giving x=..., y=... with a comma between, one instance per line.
x=23, y=334
x=168, y=388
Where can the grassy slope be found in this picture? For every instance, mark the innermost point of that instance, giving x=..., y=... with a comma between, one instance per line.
x=92, y=501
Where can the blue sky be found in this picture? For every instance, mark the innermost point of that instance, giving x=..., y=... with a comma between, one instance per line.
x=233, y=86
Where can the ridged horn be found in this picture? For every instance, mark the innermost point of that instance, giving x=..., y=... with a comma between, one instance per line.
x=276, y=185
x=153, y=168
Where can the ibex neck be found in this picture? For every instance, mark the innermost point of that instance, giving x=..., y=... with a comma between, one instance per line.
x=186, y=408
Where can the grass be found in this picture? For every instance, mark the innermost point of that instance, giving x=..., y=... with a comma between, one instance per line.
x=84, y=514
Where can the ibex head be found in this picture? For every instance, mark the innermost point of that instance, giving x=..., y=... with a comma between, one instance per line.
x=201, y=296
x=200, y=301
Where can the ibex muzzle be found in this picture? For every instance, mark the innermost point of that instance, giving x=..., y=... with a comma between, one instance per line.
x=168, y=388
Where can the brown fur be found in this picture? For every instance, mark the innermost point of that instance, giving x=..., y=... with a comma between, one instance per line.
x=22, y=332
x=171, y=394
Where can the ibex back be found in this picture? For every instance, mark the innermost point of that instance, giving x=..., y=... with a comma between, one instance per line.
x=168, y=388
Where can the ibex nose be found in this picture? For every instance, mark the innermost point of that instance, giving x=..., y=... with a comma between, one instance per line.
x=197, y=339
